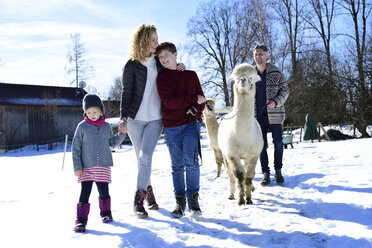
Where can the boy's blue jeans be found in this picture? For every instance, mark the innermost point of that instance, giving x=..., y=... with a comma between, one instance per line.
x=277, y=135
x=182, y=142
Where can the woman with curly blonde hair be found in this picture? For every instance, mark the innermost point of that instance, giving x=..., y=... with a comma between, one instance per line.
x=140, y=110
x=141, y=42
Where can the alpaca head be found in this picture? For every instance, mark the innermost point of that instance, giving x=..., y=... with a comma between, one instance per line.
x=245, y=78
x=209, y=107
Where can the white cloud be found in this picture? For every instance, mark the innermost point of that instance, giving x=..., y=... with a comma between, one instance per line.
x=35, y=35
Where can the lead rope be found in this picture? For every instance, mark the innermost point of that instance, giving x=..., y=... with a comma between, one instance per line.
x=197, y=138
x=199, y=145
x=228, y=118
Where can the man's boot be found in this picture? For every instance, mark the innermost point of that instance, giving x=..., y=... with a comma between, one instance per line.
x=266, y=179
x=279, y=177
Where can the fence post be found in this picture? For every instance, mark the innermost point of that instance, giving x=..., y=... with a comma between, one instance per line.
x=64, y=153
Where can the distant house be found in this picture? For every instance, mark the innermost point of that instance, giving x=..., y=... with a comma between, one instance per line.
x=38, y=114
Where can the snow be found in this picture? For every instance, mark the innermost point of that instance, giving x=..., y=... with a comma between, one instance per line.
x=114, y=122
x=326, y=201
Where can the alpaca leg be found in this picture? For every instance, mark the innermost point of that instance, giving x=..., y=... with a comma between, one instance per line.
x=238, y=171
x=219, y=160
x=250, y=165
x=231, y=176
x=248, y=194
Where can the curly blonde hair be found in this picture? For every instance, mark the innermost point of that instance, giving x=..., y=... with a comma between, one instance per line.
x=141, y=41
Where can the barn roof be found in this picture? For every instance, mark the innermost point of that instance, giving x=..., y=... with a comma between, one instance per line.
x=37, y=95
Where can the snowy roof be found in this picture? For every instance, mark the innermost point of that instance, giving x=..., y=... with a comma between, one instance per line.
x=38, y=95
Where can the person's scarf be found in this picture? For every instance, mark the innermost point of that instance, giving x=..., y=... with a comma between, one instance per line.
x=98, y=122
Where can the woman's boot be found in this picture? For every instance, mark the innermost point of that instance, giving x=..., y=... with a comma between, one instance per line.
x=150, y=198
x=138, y=208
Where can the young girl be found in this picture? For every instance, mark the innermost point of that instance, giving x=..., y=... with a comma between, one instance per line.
x=92, y=159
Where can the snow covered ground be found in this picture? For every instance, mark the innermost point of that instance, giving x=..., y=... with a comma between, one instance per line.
x=326, y=201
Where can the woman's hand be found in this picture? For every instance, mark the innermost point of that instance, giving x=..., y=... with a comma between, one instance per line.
x=123, y=126
x=181, y=67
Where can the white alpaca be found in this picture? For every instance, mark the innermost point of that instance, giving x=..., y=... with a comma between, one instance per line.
x=212, y=130
x=239, y=134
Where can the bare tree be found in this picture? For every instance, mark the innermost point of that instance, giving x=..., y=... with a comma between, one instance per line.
x=116, y=88
x=222, y=35
x=290, y=14
x=359, y=87
x=210, y=31
x=321, y=23
x=77, y=59
x=317, y=96
x=320, y=18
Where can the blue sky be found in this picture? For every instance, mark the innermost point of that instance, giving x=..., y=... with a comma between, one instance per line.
x=34, y=35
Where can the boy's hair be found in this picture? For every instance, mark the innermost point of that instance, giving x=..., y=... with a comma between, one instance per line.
x=141, y=41
x=260, y=46
x=166, y=46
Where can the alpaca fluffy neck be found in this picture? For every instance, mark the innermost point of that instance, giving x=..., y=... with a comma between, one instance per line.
x=212, y=126
x=244, y=107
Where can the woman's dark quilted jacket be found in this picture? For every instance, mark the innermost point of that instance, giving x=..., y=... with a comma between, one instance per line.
x=134, y=84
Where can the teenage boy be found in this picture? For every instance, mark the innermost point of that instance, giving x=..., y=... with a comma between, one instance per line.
x=183, y=102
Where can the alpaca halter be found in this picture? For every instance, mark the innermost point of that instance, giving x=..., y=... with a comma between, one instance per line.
x=211, y=110
x=229, y=118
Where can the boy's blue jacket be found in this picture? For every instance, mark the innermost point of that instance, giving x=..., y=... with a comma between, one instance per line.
x=91, y=144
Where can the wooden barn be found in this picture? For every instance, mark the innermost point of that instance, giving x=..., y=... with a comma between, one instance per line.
x=31, y=114
x=112, y=108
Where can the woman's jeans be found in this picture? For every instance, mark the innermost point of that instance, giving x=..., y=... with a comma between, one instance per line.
x=144, y=136
x=277, y=135
x=182, y=142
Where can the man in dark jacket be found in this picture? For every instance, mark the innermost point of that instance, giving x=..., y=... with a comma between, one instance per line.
x=271, y=93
